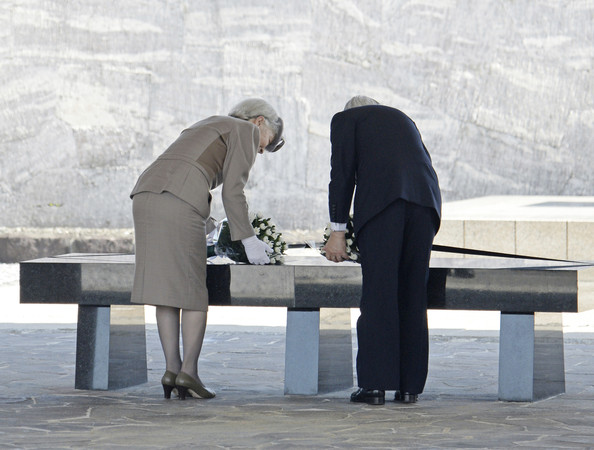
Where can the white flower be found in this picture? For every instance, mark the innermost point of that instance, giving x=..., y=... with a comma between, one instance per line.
x=264, y=231
x=349, y=242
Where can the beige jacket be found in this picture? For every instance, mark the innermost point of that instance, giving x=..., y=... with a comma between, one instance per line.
x=217, y=150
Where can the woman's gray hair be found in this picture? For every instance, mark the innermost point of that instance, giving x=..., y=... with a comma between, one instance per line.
x=254, y=107
x=360, y=100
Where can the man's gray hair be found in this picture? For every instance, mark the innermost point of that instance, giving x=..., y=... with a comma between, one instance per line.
x=360, y=100
x=253, y=107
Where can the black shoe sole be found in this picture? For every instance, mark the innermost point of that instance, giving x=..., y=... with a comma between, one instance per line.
x=406, y=398
x=369, y=399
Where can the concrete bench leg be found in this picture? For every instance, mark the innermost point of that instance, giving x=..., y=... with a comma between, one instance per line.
x=531, y=360
x=318, y=352
x=110, y=347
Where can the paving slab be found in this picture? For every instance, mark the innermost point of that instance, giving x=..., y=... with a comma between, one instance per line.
x=39, y=407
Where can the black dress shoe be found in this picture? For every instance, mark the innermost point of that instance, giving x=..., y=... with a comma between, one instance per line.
x=369, y=396
x=406, y=397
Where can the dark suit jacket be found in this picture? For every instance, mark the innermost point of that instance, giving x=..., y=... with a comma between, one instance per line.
x=379, y=149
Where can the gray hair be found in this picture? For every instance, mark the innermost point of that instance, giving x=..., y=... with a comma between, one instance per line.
x=360, y=100
x=254, y=107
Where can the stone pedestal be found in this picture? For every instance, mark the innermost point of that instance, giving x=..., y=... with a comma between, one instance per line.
x=110, y=347
x=531, y=360
x=318, y=354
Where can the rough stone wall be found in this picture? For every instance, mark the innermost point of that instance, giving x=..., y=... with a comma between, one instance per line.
x=91, y=91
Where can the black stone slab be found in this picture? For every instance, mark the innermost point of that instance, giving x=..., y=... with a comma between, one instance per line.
x=496, y=284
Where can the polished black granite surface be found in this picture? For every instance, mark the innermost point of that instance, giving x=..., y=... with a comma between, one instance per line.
x=310, y=281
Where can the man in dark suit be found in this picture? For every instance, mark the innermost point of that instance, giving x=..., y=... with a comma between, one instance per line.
x=397, y=210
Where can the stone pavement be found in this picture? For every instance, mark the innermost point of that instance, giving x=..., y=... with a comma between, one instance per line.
x=39, y=407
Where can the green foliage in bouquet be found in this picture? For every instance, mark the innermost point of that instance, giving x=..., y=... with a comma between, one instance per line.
x=351, y=241
x=265, y=231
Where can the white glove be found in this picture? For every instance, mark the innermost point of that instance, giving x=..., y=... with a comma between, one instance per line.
x=256, y=250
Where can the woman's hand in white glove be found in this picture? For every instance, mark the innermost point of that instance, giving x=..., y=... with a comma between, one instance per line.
x=256, y=250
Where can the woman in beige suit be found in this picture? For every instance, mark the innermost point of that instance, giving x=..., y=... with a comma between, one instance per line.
x=171, y=206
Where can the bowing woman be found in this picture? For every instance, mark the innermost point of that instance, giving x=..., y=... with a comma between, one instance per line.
x=171, y=207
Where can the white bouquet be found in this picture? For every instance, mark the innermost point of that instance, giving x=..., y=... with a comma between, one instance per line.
x=265, y=231
x=351, y=241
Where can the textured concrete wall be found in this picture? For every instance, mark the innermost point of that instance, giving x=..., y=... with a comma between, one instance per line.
x=91, y=91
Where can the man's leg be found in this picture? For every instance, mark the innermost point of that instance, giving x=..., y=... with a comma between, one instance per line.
x=419, y=232
x=378, y=329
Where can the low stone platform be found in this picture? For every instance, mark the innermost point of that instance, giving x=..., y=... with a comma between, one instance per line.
x=21, y=244
x=559, y=227
x=544, y=226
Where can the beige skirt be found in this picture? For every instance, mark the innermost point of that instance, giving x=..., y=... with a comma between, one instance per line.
x=170, y=243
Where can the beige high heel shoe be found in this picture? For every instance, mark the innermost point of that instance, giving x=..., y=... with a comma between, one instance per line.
x=186, y=384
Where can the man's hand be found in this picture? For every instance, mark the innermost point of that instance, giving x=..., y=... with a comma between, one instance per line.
x=335, y=248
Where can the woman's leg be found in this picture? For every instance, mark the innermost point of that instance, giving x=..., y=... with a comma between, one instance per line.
x=193, y=328
x=188, y=381
x=168, y=326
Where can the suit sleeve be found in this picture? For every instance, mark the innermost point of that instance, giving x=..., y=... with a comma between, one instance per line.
x=241, y=155
x=343, y=166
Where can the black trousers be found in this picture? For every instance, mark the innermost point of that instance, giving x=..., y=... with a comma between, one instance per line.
x=392, y=332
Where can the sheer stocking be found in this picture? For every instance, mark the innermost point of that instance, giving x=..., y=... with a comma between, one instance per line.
x=168, y=326
x=193, y=329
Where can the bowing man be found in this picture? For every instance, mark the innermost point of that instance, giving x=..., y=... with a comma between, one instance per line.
x=396, y=214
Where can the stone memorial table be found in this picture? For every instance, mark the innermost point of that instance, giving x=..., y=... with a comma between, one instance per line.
x=318, y=295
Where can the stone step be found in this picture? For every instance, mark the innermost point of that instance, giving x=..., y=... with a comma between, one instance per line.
x=22, y=244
